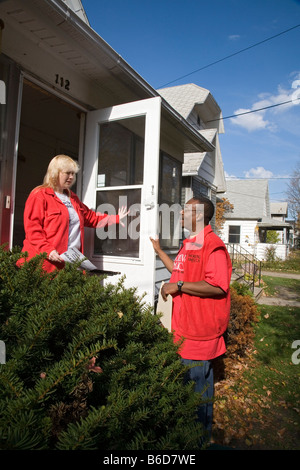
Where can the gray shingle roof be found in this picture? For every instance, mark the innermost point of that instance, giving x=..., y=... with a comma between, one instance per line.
x=184, y=97
x=279, y=208
x=77, y=7
x=249, y=197
x=275, y=224
x=192, y=161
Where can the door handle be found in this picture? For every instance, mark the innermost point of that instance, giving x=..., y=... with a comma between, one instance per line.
x=149, y=205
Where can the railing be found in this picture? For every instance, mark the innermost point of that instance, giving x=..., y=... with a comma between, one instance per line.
x=245, y=266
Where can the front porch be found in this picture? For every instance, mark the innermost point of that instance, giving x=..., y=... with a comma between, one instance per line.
x=281, y=250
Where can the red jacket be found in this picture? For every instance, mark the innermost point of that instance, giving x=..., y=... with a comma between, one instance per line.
x=46, y=223
x=201, y=318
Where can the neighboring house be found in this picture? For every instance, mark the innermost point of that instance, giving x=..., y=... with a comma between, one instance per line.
x=202, y=172
x=250, y=219
x=279, y=211
x=67, y=91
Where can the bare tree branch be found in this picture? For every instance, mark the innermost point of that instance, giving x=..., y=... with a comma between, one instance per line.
x=293, y=192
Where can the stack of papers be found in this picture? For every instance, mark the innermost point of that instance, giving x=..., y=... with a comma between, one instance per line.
x=73, y=255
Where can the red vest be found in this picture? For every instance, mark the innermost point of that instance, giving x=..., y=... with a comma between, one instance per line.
x=201, y=318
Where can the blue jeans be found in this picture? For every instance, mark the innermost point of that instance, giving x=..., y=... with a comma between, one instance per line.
x=202, y=374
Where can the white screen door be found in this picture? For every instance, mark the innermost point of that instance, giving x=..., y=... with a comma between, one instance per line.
x=121, y=168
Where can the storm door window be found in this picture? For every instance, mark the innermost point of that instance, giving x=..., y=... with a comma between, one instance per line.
x=234, y=234
x=116, y=240
x=119, y=183
x=170, y=192
x=121, y=153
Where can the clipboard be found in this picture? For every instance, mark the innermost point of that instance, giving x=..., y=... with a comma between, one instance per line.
x=165, y=308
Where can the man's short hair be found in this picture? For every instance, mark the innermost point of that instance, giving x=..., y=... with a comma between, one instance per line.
x=209, y=208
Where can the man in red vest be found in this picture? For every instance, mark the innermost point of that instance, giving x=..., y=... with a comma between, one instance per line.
x=199, y=285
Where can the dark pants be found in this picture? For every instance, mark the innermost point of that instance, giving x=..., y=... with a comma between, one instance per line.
x=202, y=374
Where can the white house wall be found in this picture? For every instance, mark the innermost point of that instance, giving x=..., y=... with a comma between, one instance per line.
x=249, y=240
x=248, y=234
x=281, y=250
x=207, y=168
x=194, y=118
x=200, y=164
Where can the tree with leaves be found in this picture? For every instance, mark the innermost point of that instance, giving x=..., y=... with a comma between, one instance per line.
x=293, y=195
x=222, y=206
x=88, y=366
x=293, y=192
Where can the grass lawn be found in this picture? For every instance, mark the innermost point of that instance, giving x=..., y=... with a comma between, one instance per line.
x=276, y=378
x=258, y=406
x=280, y=286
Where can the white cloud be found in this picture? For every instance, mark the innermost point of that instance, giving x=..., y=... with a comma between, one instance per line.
x=258, y=172
x=296, y=84
x=250, y=121
x=254, y=121
x=255, y=173
x=229, y=177
x=234, y=37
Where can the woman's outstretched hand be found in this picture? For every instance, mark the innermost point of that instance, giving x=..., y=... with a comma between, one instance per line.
x=123, y=212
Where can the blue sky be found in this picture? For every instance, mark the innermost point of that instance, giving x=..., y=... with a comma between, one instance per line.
x=164, y=40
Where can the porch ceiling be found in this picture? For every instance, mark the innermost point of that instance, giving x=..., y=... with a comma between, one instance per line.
x=52, y=27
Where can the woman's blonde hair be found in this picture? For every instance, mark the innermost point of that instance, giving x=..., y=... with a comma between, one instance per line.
x=57, y=164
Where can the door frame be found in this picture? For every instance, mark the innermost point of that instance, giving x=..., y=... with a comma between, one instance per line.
x=25, y=76
x=139, y=272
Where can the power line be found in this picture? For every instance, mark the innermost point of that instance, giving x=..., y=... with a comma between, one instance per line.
x=259, y=178
x=231, y=55
x=254, y=110
x=254, y=196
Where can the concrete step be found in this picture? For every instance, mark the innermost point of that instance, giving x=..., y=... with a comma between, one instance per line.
x=258, y=291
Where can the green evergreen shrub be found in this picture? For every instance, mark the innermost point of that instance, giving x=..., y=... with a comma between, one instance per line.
x=53, y=325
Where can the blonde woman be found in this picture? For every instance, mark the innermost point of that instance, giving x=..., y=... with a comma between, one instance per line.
x=54, y=217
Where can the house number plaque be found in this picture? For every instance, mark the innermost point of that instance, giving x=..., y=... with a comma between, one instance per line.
x=63, y=82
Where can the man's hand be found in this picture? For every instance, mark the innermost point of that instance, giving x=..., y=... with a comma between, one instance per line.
x=168, y=262
x=156, y=245
x=168, y=289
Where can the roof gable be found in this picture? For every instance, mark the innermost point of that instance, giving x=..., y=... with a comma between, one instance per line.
x=250, y=198
x=193, y=161
x=186, y=98
x=76, y=6
x=279, y=208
